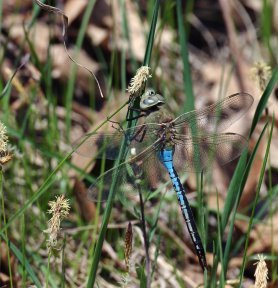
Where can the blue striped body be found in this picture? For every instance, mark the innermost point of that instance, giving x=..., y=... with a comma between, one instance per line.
x=166, y=158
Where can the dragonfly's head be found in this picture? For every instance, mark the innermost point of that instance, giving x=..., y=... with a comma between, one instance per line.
x=151, y=99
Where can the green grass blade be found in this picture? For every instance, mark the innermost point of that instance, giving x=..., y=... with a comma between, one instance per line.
x=35, y=13
x=122, y=153
x=148, y=53
x=266, y=24
x=141, y=276
x=189, y=103
x=147, y=58
x=239, y=193
x=22, y=260
x=47, y=184
x=219, y=239
x=188, y=87
x=240, y=172
x=233, y=189
x=104, y=224
x=256, y=200
x=50, y=179
x=263, y=101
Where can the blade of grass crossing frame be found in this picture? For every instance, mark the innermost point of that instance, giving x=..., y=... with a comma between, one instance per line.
x=240, y=190
x=266, y=23
x=35, y=13
x=219, y=239
x=123, y=52
x=189, y=103
x=147, y=59
x=50, y=179
x=148, y=53
x=256, y=200
x=122, y=153
x=187, y=81
x=22, y=260
x=233, y=191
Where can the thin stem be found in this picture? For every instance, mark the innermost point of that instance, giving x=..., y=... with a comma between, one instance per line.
x=50, y=179
x=6, y=233
x=63, y=262
x=146, y=241
x=187, y=80
x=222, y=275
x=48, y=270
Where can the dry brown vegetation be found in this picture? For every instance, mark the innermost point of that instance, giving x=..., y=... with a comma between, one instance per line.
x=48, y=106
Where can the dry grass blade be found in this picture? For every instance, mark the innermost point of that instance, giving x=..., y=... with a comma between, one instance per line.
x=55, y=10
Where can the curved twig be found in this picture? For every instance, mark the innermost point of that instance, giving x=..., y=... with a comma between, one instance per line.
x=58, y=11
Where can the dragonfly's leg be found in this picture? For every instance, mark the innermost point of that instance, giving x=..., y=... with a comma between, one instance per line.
x=137, y=116
x=134, y=109
x=141, y=130
x=143, y=134
x=119, y=127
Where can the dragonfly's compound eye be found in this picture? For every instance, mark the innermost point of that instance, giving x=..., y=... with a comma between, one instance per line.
x=150, y=92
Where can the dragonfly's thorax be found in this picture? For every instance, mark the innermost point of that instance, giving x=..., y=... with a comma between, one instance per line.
x=167, y=134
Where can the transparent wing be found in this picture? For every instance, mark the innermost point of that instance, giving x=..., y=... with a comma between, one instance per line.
x=216, y=117
x=197, y=154
x=139, y=169
x=107, y=145
x=192, y=154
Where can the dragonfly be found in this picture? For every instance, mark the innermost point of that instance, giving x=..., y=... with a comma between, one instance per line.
x=163, y=143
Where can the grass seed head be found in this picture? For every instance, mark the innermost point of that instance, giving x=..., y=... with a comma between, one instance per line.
x=3, y=138
x=261, y=273
x=128, y=245
x=5, y=155
x=137, y=82
x=59, y=209
x=261, y=73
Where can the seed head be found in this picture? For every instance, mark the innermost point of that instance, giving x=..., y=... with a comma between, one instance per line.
x=261, y=273
x=5, y=155
x=3, y=138
x=59, y=210
x=260, y=73
x=128, y=245
x=137, y=82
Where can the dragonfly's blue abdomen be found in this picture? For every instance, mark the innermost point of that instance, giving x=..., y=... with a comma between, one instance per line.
x=166, y=158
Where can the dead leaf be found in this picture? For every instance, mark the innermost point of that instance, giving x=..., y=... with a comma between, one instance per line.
x=6, y=262
x=87, y=208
